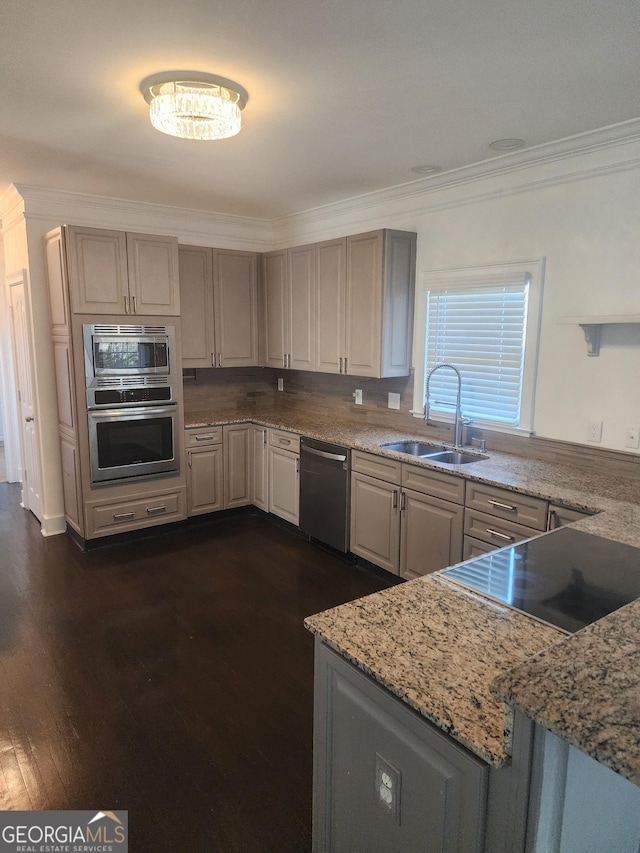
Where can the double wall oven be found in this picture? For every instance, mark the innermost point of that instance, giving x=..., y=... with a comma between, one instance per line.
x=132, y=401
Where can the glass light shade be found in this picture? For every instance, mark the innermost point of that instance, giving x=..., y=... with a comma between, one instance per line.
x=194, y=110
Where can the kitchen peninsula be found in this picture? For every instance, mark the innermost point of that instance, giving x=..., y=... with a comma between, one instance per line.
x=454, y=659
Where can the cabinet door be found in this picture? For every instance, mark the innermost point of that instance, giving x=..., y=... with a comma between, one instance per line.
x=204, y=480
x=275, y=308
x=260, y=491
x=397, y=302
x=384, y=778
x=97, y=270
x=196, y=304
x=236, y=439
x=284, y=484
x=331, y=259
x=301, y=308
x=235, y=277
x=431, y=534
x=375, y=521
x=364, y=303
x=154, y=282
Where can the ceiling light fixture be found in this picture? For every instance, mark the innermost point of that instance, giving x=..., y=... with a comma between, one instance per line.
x=507, y=144
x=194, y=105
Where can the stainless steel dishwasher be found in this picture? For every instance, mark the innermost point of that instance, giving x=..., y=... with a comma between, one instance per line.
x=324, y=492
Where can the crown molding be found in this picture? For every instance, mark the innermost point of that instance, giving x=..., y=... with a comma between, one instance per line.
x=11, y=207
x=606, y=150
x=188, y=225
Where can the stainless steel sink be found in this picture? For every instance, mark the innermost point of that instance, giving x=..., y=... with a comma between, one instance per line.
x=455, y=457
x=413, y=448
x=428, y=451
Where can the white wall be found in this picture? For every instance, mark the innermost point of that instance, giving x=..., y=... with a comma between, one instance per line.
x=582, y=213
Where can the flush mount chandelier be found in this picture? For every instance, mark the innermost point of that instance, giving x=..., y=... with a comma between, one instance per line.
x=194, y=105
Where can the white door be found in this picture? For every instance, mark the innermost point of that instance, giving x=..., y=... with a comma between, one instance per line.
x=31, y=480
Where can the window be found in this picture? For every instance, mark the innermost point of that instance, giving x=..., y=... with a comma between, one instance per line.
x=485, y=321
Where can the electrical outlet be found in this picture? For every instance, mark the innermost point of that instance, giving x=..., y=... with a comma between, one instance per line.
x=632, y=437
x=357, y=395
x=394, y=400
x=280, y=383
x=388, y=780
x=594, y=431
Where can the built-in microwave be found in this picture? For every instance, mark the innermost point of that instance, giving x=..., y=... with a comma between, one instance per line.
x=126, y=350
x=129, y=364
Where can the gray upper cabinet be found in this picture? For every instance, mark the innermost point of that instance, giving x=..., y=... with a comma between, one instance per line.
x=219, y=291
x=365, y=299
x=289, y=285
x=331, y=283
x=112, y=272
x=301, y=307
x=275, y=281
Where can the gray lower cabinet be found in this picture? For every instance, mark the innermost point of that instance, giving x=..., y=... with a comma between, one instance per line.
x=405, y=519
x=385, y=779
x=238, y=472
x=260, y=447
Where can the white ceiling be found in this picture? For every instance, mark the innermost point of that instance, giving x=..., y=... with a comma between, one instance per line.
x=345, y=96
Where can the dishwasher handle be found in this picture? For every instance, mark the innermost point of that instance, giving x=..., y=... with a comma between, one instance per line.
x=337, y=457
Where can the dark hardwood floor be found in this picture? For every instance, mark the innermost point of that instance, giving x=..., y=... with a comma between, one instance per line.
x=172, y=677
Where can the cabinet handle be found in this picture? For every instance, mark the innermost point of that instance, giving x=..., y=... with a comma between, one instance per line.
x=213, y=359
x=121, y=516
x=289, y=360
x=340, y=364
x=499, y=505
x=156, y=510
x=504, y=536
x=189, y=463
x=135, y=307
x=284, y=441
x=264, y=438
x=403, y=501
x=345, y=364
x=394, y=503
x=297, y=466
x=219, y=359
x=126, y=305
x=554, y=522
x=204, y=437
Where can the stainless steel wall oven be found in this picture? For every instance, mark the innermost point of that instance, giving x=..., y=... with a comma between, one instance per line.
x=132, y=406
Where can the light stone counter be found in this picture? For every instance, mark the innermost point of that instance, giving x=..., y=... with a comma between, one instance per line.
x=415, y=639
x=586, y=690
x=439, y=650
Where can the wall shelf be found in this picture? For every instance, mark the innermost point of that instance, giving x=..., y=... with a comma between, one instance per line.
x=591, y=326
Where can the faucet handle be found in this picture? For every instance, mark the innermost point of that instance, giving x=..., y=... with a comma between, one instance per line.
x=482, y=444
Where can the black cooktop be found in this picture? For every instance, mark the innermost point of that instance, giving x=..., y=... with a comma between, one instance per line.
x=567, y=578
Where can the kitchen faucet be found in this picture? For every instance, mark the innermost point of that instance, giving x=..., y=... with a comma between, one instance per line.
x=460, y=421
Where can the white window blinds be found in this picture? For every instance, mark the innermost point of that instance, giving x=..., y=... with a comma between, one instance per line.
x=481, y=330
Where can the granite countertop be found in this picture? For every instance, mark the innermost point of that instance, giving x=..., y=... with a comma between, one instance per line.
x=614, y=499
x=584, y=687
x=586, y=690
x=409, y=639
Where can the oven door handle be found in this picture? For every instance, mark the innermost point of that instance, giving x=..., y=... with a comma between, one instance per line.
x=130, y=411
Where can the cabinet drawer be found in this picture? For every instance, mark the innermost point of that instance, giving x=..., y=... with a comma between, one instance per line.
x=497, y=531
x=434, y=483
x=512, y=506
x=561, y=515
x=377, y=466
x=103, y=519
x=472, y=548
x=285, y=440
x=202, y=436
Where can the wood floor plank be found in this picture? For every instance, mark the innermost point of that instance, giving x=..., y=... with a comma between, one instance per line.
x=171, y=677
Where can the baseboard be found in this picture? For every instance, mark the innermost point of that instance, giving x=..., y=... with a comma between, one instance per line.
x=53, y=526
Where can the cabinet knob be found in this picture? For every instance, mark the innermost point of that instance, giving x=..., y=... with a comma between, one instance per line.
x=29, y=418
